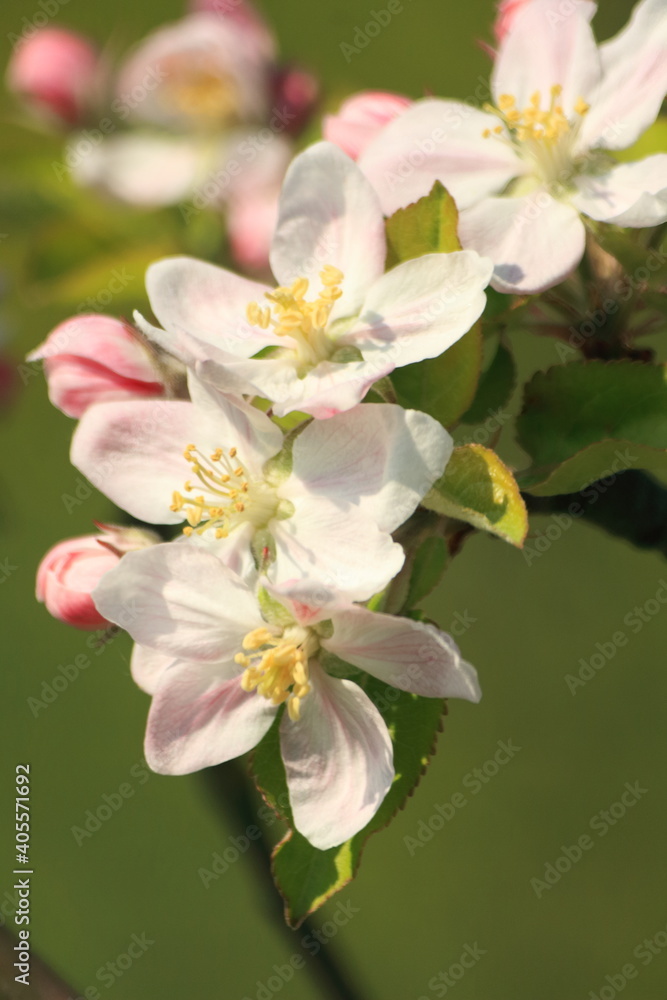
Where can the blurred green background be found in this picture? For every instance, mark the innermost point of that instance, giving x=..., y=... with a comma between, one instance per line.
x=417, y=903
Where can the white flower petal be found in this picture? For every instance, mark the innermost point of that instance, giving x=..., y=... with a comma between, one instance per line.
x=329, y=214
x=329, y=388
x=194, y=300
x=334, y=544
x=634, y=66
x=199, y=718
x=338, y=761
x=382, y=459
x=547, y=46
x=630, y=194
x=406, y=654
x=139, y=168
x=533, y=241
x=422, y=307
x=438, y=140
x=181, y=601
x=133, y=453
x=147, y=667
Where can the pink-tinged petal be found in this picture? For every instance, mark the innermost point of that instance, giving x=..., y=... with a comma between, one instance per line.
x=422, y=307
x=139, y=168
x=147, y=667
x=202, y=72
x=406, y=654
x=338, y=761
x=329, y=214
x=133, y=453
x=382, y=459
x=329, y=388
x=194, y=300
x=91, y=359
x=334, y=544
x=507, y=11
x=547, y=46
x=308, y=601
x=438, y=141
x=634, y=81
x=181, y=601
x=534, y=241
x=199, y=718
x=630, y=194
x=361, y=117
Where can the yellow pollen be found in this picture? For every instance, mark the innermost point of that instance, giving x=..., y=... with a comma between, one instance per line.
x=290, y=314
x=223, y=481
x=277, y=667
x=532, y=122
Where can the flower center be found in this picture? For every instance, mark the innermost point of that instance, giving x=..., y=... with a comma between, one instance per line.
x=277, y=666
x=292, y=315
x=230, y=495
x=543, y=137
x=203, y=95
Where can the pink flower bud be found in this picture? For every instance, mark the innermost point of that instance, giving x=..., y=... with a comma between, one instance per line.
x=295, y=95
x=71, y=570
x=361, y=117
x=507, y=11
x=55, y=71
x=95, y=359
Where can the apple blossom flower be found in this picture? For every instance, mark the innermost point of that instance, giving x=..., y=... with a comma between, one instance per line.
x=222, y=668
x=57, y=73
x=523, y=170
x=326, y=346
x=94, y=358
x=361, y=117
x=71, y=570
x=323, y=509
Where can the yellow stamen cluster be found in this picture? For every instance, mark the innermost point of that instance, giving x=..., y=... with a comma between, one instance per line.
x=205, y=95
x=534, y=123
x=224, y=479
x=291, y=315
x=279, y=672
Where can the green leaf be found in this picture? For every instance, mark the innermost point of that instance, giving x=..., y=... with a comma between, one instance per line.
x=428, y=566
x=306, y=877
x=591, y=419
x=495, y=387
x=479, y=489
x=443, y=387
x=427, y=226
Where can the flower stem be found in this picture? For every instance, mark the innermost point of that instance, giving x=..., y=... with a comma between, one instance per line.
x=231, y=790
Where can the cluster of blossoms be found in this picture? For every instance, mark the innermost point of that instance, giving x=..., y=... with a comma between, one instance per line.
x=237, y=412
x=200, y=113
x=284, y=535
